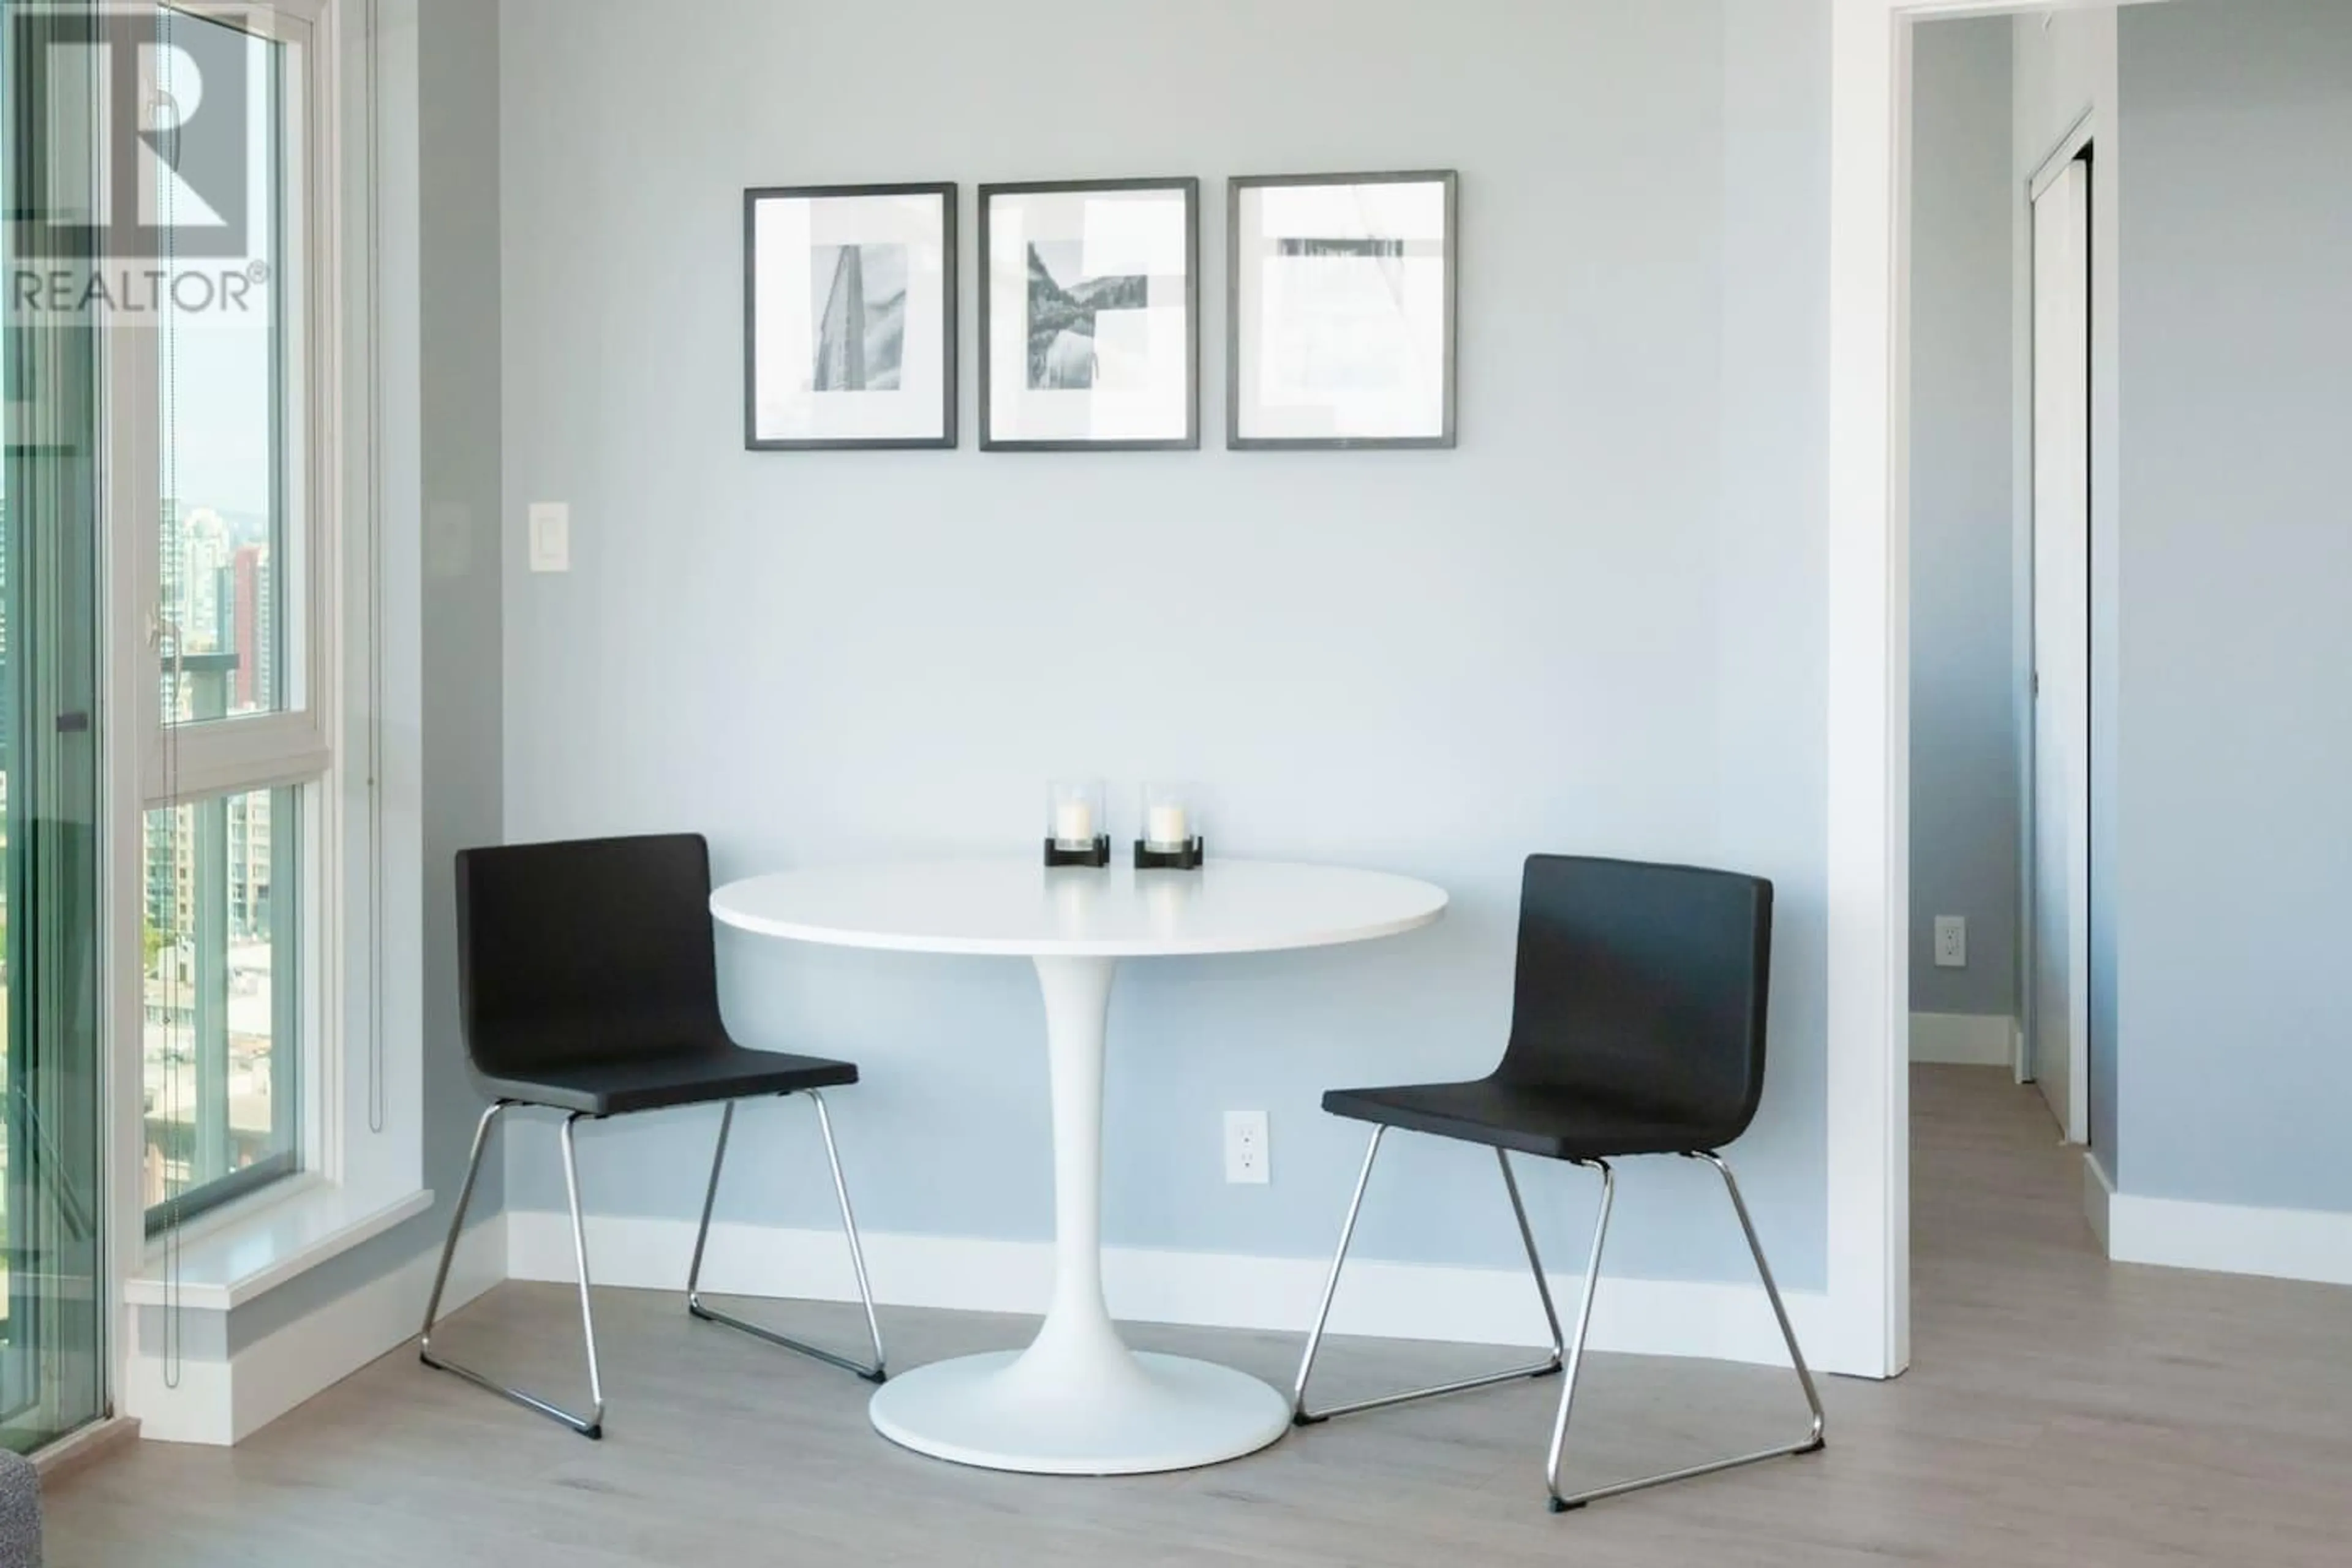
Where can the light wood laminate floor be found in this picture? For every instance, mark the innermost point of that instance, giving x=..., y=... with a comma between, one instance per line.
x=2060, y=1410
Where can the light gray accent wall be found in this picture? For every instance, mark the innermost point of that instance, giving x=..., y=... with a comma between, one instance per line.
x=1598, y=625
x=1965, y=822
x=454, y=311
x=2237, y=570
x=1769, y=628
x=463, y=408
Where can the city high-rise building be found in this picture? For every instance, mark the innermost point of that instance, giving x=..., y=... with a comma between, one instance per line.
x=171, y=867
x=220, y=599
x=203, y=609
x=193, y=559
x=253, y=629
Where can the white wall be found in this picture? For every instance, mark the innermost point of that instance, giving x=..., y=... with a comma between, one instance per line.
x=1964, y=747
x=1598, y=625
x=2237, y=636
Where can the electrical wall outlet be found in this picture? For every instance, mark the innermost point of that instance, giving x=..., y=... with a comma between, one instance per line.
x=1246, y=1160
x=1951, y=942
x=550, y=536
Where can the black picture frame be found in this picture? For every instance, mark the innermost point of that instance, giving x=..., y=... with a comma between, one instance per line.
x=1443, y=439
x=950, y=199
x=990, y=441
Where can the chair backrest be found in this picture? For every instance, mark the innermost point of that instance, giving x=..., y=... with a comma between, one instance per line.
x=576, y=953
x=1644, y=986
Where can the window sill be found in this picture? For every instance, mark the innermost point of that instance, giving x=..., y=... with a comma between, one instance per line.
x=254, y=1248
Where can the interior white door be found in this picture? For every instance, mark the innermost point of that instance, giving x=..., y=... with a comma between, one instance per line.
x=2059, y=985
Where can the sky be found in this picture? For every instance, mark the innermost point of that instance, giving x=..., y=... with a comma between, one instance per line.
x=217, y=392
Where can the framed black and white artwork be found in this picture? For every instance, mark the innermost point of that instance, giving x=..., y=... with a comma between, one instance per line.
x=1089, y=315
x=849, y=317
x=1341, y=311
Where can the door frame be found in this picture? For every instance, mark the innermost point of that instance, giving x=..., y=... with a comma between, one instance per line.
x=1868, y=673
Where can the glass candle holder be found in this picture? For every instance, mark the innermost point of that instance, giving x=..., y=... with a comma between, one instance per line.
x=1169, y=819
x=1078, y=827
x=1171, y=829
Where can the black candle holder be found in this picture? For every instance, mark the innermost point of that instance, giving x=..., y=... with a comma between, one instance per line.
x=1096, y=855
x=1187, y=858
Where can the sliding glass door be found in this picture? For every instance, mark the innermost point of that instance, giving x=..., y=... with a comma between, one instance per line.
x=52, y=1365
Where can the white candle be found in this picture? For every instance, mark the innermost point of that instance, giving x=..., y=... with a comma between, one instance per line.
x=1165, y=828
x=1074, y=823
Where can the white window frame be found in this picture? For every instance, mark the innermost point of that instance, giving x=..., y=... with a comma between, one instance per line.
x=359, y=1119
x=294, y=746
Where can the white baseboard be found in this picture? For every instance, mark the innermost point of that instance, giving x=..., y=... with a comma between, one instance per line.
x=223, y=1402
x=2098, y=1200
x=1397, y=1301
x=2229, y=1238
x=1964, y=1039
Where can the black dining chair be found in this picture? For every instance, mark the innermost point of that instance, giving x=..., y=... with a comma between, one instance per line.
x=1637, y=1027
x=588, y=983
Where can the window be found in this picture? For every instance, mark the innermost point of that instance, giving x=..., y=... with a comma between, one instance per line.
x=53, y=1374
x=220, y=1039
x=235, y=755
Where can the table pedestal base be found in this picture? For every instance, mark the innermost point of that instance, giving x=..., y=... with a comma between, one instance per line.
x=1151, y=1413
x=1078, y=1402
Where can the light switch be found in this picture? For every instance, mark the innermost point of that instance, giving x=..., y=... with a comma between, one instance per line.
x=550, y=536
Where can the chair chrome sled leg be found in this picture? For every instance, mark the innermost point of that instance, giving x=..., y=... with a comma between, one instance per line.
x=1302, y=1416
x=591, y=1426
x=1813, y=1439
x=871, y=1373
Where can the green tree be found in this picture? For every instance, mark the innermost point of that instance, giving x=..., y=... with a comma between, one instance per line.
x=152, y=943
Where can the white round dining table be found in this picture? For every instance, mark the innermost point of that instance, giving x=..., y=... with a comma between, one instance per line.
x=1077, y=1401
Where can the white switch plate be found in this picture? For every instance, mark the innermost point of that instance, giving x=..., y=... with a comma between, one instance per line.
x=550, y=536
x=1951, y=942
x=1245, y=1161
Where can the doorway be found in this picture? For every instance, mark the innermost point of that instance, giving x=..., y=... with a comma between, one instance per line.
x=2009, y=392
x=1871, y=537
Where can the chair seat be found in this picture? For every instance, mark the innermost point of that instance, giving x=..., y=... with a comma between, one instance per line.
x=705, y=1075
x=1556, y=1124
